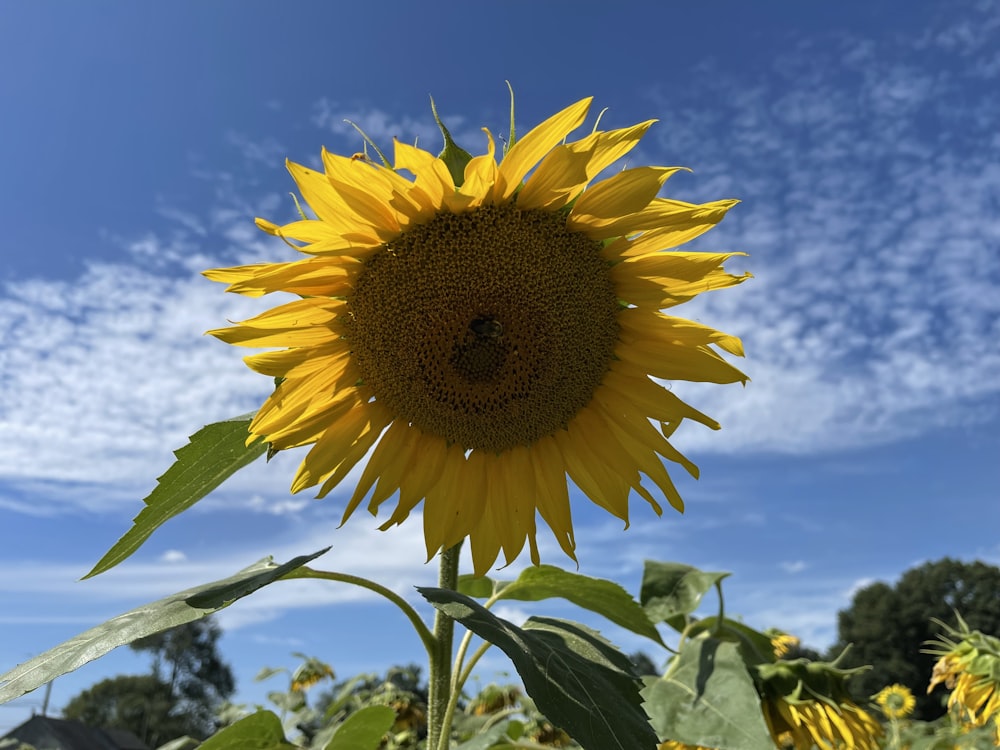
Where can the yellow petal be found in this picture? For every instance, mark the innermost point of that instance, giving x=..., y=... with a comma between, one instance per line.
x=560, y=176
x=534, y=145
x=331, y=449
x=589, y=473
x=605, y=148
x=676, y=222
x=481, y=174
x=432, y=175
x=649, y=326
x=553, y=493
x=323, y=199
x=699, y=365
x=374, y=420
x=615, y=200
x=363, y=189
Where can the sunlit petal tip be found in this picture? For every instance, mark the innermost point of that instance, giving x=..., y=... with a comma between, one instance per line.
x=267, y=226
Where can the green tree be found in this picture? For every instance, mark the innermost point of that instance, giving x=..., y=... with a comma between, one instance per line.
x=189, y=680
x=140, y=703
x=888, y=625
x=187, y=659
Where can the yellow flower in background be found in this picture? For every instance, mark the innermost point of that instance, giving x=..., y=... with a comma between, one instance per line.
x=310, y=672
x=896, y=701
x=969, y=666
x=806, y=704
x=782, y=643
x=486, y=329
x=803, y=724
x=674, y=745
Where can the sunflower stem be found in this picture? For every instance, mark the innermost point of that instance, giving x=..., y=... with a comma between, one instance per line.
x=439, y=680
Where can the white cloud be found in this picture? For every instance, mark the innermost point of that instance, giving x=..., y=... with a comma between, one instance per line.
x=796, y=566
x=265, y=151
x=870, y=189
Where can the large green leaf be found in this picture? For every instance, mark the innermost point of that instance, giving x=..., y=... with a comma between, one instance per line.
x=708, y=699
x=258, y=731
x=216, y=452
x=576, y=678
x=670, y=591
x=174, y=610
x=755, y=647
x=604, y=597
x=478, y=587
x=364, y=729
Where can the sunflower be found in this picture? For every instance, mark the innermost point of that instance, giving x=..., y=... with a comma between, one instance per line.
x=803, y=724
x=969, y=666
x=782, y=643
x=974, y=697
x=896, y=701
x=485, y=329
x=806, y=703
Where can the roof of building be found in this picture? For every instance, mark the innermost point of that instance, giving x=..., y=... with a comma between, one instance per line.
x=47, y=733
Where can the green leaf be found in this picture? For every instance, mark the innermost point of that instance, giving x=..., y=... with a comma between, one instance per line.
x=575, y=677
x=454, y=156
x=478, y=587
x=258, y=731
x=604, y=597
x=487, y=739
x=708, y=698
x=364, y=729
x=755, y=647
x=174, y=610
x=670, y=591
x=216, y=452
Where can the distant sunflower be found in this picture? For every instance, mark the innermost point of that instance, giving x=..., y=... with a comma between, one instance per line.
x=487, y=328
x=969, y=666
x=804, y=724
x=896, y=701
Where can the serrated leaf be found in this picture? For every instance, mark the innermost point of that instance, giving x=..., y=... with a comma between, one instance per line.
x=708, y=698
x=364, y=729
x=169, y=612
x=258, y=731
x=670, y=591
x=577, y=679
x=478, y=587
x=214, y=453
x=598, y=595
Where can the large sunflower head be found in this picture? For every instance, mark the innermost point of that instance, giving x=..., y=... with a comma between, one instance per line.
x=485, y=328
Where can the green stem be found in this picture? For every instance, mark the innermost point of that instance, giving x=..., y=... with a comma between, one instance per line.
x=476, y=656
x=439, y=680
x=423, y=631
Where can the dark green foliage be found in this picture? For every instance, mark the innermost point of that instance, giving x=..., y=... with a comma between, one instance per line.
x=888, y=625
x=140, y=703
x=189, y=680
x=187, y=659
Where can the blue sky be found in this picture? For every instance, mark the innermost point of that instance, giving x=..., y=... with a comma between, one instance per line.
x=139, y=141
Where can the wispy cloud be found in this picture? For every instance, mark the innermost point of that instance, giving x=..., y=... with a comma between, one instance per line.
x=870, y=181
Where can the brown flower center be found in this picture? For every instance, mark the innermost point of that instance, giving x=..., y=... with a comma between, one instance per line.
x=490, y=328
